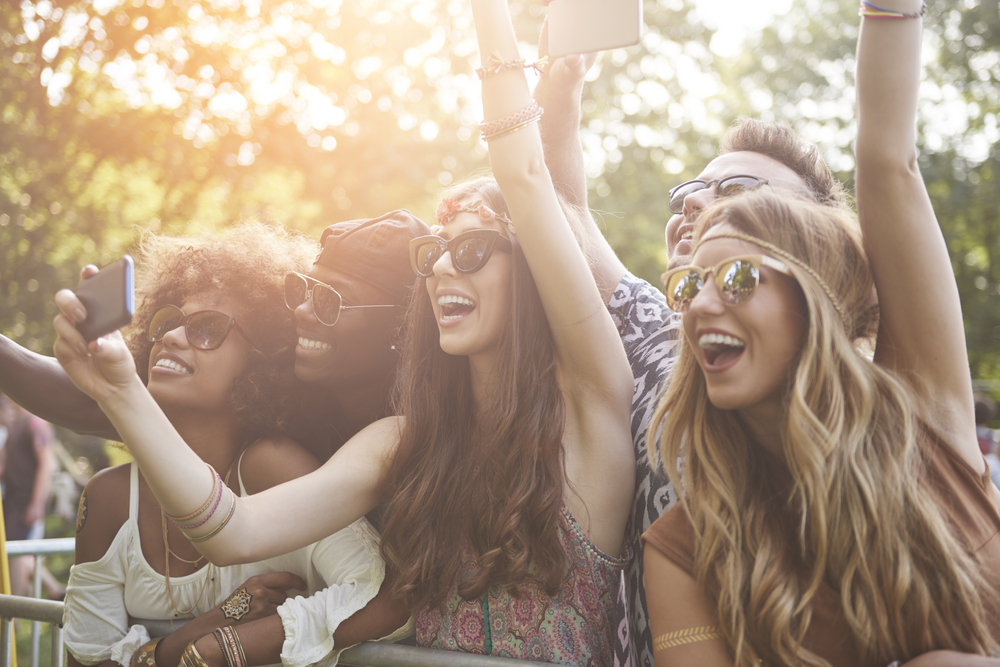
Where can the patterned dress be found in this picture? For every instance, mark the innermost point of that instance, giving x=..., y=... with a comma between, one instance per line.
x=650, y=332
x=573, y=627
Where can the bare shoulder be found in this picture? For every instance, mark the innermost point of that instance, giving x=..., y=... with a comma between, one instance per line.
x=104, y=506
x=272, y=461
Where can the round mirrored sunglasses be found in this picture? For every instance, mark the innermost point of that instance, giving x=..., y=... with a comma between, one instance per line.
x=737, y=279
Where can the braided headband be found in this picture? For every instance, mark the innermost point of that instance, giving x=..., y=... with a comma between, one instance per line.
x=784, y=255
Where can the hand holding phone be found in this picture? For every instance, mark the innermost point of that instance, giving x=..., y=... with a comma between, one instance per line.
x=109, y=299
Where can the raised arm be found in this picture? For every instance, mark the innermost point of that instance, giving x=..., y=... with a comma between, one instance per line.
x=593, y=369
x=921, y=331
x=39, y=385
x=558, y=92
x=587, y=342
x=281, y=519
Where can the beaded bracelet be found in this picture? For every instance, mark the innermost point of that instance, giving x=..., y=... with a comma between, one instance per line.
x=496, y=64
x=872, y=11
x=235, y=645
x=511, y=123
x=216, y=484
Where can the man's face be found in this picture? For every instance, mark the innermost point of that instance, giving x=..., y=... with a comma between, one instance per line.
x=680, y=227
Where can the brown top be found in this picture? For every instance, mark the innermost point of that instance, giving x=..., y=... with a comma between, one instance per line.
x=969, y=503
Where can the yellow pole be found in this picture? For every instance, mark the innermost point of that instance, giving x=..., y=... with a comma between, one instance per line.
x=5, y=581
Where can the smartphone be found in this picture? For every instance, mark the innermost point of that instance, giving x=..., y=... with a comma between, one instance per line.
x=109, y=298
x=583, y=26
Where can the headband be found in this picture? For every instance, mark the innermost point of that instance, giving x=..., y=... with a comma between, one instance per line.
x=784, y=255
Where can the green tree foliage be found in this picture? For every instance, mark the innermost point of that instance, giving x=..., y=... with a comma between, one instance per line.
x=184, y=115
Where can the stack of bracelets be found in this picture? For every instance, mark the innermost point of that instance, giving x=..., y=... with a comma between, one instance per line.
x=229, y=642
x=511, y=123
x=191, y=658
x=871, y=11
x=195, y=519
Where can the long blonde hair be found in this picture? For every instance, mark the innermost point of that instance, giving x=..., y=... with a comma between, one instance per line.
x=854, y=514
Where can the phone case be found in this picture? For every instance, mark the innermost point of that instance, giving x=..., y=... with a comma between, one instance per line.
x=108, y=298
x=584, y=26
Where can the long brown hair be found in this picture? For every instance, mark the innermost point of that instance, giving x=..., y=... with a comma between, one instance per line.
x=853, y=513
x=493, y=476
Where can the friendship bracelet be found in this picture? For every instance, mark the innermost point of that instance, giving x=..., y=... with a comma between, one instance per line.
x=513, y=122
x=873, y=11
x=496, y=64
x=215, y=531
x=216, y=481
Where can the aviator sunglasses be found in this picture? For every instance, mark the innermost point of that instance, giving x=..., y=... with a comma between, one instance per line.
x=326, y=301
x=469, y=250
x=205, y=329
x=737, y=279
x=726, y=187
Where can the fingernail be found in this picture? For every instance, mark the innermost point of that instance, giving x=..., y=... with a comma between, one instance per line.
x=80, y=315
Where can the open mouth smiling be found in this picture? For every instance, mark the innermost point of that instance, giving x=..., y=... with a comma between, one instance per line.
x=454, y=307
x=720, y=350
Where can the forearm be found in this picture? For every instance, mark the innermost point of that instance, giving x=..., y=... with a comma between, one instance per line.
x=169, y=650
x=40, y=385
x=887, y=94
x=261, y=641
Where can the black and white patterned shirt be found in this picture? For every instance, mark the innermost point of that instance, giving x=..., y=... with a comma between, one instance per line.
x=650, y=332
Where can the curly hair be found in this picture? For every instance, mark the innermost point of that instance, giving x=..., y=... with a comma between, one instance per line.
x=854, y=516
x=491, y=477
x=247, y=263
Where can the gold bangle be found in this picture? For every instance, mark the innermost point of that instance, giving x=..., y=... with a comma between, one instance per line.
x=145, y=655
x=216, y=480
x=191, y=658
x=512, y=129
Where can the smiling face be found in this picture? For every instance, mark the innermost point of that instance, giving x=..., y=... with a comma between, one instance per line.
x=747, y=351
x=183, y=376
x=358, y=346
x=471, y=309
x=681, y=225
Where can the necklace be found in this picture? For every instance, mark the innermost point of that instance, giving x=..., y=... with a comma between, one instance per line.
x=167, y=553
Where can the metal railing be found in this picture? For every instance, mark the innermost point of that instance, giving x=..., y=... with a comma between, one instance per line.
x=39, y=549
x=368, y=654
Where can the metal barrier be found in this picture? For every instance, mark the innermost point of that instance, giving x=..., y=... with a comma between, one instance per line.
x=368, y=654
x=39, y=549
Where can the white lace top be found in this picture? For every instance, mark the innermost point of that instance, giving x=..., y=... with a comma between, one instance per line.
x=118, y=603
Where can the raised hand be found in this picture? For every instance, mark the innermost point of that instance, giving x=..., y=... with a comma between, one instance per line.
x=100, y=368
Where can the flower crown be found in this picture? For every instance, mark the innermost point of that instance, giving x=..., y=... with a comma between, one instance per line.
x=449, y=208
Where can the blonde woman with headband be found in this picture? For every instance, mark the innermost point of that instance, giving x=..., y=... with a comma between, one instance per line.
x=836, y=510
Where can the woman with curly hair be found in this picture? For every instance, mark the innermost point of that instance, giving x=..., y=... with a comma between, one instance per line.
x=212, y=343
x=836, y=510
x=509, y=473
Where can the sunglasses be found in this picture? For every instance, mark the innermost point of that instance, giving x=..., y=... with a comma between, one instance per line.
x=726, y=187
x=205, y=329
x=736, y=278
x=326, y=301
x=469, y=250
